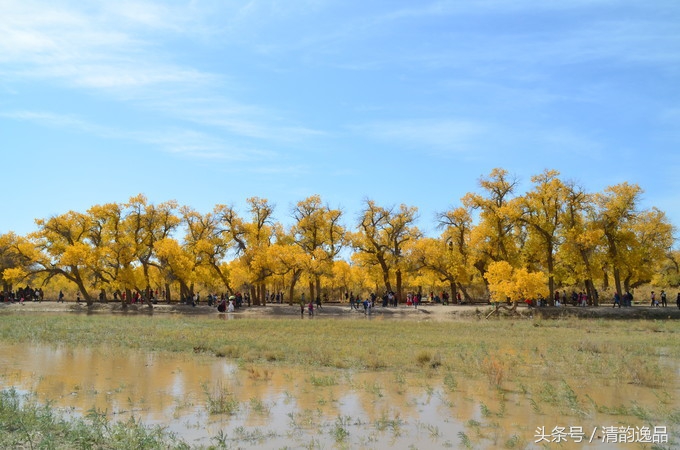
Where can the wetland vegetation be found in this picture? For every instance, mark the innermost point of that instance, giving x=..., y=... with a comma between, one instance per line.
x=329, y=383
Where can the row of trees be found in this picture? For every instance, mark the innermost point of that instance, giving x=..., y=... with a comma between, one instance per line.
x=495, y=243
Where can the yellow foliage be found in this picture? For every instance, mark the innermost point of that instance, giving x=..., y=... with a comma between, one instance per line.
x=14, y=275
x=170, y=252
x=515, y=284
x=78, y=254
x=500, y=278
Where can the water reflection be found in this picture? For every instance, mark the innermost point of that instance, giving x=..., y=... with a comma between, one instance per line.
x=273, y=407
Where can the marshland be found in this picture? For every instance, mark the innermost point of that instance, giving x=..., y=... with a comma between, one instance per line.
x=417, y=381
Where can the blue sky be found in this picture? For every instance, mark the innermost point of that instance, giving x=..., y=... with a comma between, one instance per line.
x=209, y=101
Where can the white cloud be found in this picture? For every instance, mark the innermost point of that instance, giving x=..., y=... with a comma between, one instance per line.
x=83, y=48
x=117, y=50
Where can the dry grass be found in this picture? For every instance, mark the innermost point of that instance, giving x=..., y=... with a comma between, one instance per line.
x=502, y=350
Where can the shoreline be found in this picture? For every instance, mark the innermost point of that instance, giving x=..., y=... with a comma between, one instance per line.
x=429, y=311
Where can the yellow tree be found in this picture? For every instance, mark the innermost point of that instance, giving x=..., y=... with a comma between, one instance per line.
x=381, y=237
x=179, y=265
x=113, y=246
x=146, y=224
x=206, y=240
x=252, y=240
x=348, y=278
x=653, y=242
x=318, y=232
x=457, y=225
x=615, y=216
x=669, y=274
x=288, y=260
x=495, y=237
x=581, y=240
x=15, y=259
x=541, y=212
x=508, y=283
x=64, y=249
x=433, y=255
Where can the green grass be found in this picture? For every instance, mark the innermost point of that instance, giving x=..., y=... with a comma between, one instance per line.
x=25, y=424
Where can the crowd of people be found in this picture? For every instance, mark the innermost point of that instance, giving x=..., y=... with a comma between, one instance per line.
x=229, y=303
x=27, y=294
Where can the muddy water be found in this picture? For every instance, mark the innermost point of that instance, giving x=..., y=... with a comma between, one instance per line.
x=275, y=407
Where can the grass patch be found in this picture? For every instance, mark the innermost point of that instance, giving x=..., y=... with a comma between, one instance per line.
x=219, y=400
x=27, y=424
x=466, y=347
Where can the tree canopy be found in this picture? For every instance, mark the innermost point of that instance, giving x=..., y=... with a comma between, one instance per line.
x=495, y=244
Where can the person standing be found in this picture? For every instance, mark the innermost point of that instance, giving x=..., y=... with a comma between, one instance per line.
x=663, y=298
x=625, y=299
x=677, y=301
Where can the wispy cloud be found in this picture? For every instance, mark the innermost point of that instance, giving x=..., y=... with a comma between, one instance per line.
x=53, y=120
x=596, y=31
x=237, y=118
x=88, y=49
x=480, y=141
x=178, y=141
x=117, y=50
x=451, y=135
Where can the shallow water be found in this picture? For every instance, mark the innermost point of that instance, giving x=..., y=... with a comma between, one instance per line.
x=275, y=407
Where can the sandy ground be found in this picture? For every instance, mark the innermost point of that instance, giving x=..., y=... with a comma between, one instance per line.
x=436, y=312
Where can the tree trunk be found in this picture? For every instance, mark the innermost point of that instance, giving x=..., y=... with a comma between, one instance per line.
x=147, y=296
x=551, y=277
x=617, y=280
x=256, y=296
x=183, y=291
x=223, y=277
x=77, y=279
x=128, y=297
x=626, y=283
x=466, y=296
x=293, y=282
x=590, y=290
x=454, y=292
x=253, y=294
x=399, y=293
x=86, y=295
x=386, y=274
x=167, y=292
x=318, y=286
